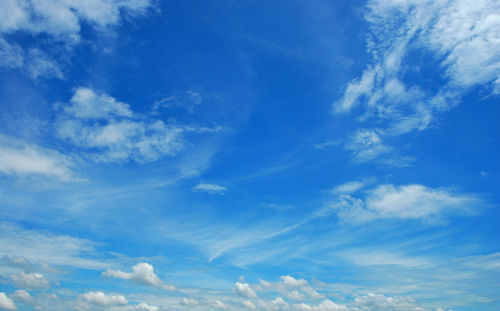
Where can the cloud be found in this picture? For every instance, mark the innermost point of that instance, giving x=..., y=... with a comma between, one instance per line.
x=348, y=187
x=103, y=300
x=292, y=282
x=249, y=304
x=459, y=34
x=37, y=245
x=6, y=303
x=86, y=104
x=325, y=305
x=30, y=280
x=405, y=202
x=244, y=290
x=210, y=188
x=58, y=25
x=22, y=295
x=373, y=302
x=366, y=145
x=20, y=158
x=188, y=301
x=219, y=305
x=145, y=307
x=106, y=130
x=24, y=264
x=142, y=273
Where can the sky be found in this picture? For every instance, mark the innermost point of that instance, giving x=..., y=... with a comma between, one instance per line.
x=250, y=155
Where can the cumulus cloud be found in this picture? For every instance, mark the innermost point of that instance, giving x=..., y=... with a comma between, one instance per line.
x=249, y=305
x=56, y=24
x=103, y=300
x=244, y=290
x=373, y=302
x=292, y=282
x=219, y=305
x=405, y=202
x=22, y=295
x=30, y=280
x=188, y=301
x=6, y=303
x=210, y=188
x=106, y=130
x=20, y=158
x=462, y=37
x=145, y=307
x=142, y=273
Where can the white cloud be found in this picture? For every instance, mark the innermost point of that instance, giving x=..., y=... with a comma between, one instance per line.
x=244, y=290
x=30, y=280
x=188, y=301
x=57, y=23
x=461, y=34
x=22, y=159
x=22, y=295
x=295, y=295
x=292, y=282
x=142, y=273
x=249, y=304
x=103, y=300
x=107, y=130
x=366, y=145
x=219, y=305
x=348, y=187
x=6, y=303
x=373, y=302
x=36, y=245
x=210, y=188
x=145, y=307
x=86, y=104
x=405, y=202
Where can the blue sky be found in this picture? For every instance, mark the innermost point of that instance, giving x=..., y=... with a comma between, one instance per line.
x=249, y=155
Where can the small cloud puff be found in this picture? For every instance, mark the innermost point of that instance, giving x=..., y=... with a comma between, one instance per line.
x=142, y=273
x=103, y=300
x=210, y=188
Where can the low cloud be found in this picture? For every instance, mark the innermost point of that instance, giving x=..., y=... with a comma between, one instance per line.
x=142, y=273
x=103, y=300
x=30, y=280
x=6, y=303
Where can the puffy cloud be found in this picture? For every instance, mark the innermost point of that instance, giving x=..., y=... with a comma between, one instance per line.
x=30, y=280
x=103, y=300
x=373, y=302
x=6, y=303
x=210, y=188
x=219, y=305
x=57, y=23
x=142, y=273
x=145, y=307
x=292, y=282
x=249, y=304
x=405, y=202
x=295, y=295
x=23, y=159
x=22, y=295
x=86, y=104
x=188, y=301
x=107, y=130
x=244, y=290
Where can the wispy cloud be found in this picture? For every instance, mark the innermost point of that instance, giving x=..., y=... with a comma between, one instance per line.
x=210, y=188
x=58, y=24
x=20, y=158
x=459, y=34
